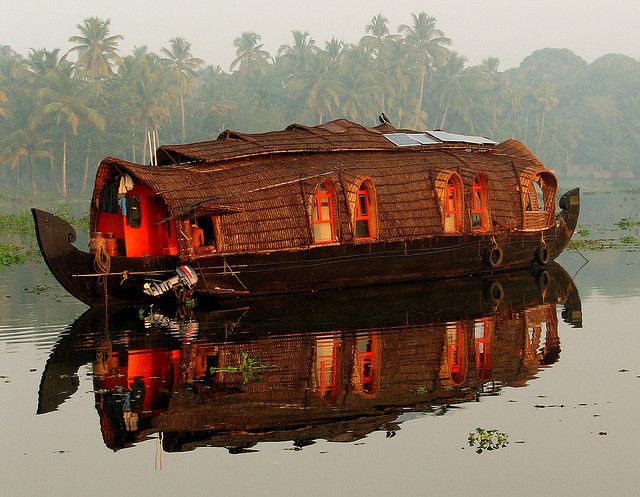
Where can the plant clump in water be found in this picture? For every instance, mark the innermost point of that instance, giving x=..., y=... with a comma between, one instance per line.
x=483, y=439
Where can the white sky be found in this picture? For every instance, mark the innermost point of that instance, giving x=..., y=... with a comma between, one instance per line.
x=508, y=29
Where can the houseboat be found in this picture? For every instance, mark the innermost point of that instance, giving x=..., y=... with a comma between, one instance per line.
x=310, y=208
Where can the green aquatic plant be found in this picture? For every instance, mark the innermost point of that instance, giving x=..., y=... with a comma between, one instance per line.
x=628, y=240
x=145, y=312
x=17, y=224
x=591, y=245
x=626, y=223
x=22, y=223
x=249, y=367
x=483, y=439
x=12, y=254
x=190, y=303
x=38, y=289
x=583, y=232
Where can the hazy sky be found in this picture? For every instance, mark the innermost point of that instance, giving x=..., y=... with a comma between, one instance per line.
x=508, y=29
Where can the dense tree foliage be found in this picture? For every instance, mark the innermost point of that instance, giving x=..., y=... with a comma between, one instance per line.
x=59, y=115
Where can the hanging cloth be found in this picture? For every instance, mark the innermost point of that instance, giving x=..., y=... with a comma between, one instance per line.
x=122, y=202
x=126, y=184
x=134, y=214
x=109, y=198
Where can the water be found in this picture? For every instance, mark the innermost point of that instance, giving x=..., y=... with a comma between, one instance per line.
x=371, y=392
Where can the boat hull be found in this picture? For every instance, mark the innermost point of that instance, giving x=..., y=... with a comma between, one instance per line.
x=227, y=277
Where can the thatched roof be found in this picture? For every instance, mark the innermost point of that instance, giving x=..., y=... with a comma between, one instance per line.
x=264, y=181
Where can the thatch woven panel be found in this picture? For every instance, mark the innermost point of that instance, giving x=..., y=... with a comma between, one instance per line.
x=274, y=192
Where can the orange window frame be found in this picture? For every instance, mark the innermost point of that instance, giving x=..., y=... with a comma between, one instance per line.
x=364, y=217
x=328, y=361
x=318, y=219
x=475, y=209
x=452, y=187
x=482, y=348
x=366, y=360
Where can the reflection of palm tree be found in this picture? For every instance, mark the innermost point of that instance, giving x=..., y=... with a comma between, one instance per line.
x=183, y=66
x=428, y=44
x=97, y=51
x=250, y=57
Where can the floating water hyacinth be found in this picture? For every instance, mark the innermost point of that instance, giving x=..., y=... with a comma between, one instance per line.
x=483, y=439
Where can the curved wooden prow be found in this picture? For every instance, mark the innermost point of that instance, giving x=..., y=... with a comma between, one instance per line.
x=566, y=220
x=55, y=239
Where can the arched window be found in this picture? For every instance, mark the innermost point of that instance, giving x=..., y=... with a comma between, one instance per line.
x=323, y=227
x=452, y=205
x=365, y=212
x=479, y=221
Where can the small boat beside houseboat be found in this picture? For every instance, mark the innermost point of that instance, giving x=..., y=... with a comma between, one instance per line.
x=310, y=208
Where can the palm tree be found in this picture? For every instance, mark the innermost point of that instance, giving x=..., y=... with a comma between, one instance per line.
x=250, y=57
x=377, y=34
x=3, y=98
x=24, y=136
x=448, y=77
x=300, y=53
x=67, y=99
x=146, y=85
x=97, y=51
x=183, y=67
x=42, y=60
x=428, y=44
x=333, y=49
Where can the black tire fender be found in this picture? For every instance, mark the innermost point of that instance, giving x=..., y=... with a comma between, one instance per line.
x=493, y=256
x=542, y=254
x=495, y=293
x=543, y=279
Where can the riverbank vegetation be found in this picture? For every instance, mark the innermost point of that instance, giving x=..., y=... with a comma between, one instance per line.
x=60, y=113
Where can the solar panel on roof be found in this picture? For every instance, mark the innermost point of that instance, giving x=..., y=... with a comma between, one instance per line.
x=401, y=139
x=423, y=138
x=454, y=137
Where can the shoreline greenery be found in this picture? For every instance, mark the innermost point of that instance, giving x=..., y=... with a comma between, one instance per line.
x=11, y=254
x=61, y=113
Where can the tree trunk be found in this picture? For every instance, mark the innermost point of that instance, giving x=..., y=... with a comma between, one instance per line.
x=144, y=146
x=444, y=116
x=541, y=130
x=52, y=169
x=64, y=167
x=85, y=174
x=419, y=107
x=184, y=127
x=33, y=179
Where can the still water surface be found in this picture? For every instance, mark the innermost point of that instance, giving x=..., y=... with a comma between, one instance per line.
x=371, y=392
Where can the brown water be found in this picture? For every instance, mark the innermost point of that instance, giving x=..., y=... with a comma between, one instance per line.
x=370, y=392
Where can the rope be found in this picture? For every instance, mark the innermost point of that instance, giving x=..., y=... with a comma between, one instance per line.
x=102, y=265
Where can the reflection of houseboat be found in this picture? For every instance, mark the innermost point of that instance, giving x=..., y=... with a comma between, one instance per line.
x=306, y=208
x=332, y=373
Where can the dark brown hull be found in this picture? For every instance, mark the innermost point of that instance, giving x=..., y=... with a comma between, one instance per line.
x=234, y=276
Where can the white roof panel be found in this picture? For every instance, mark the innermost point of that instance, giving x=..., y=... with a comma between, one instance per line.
x=454, y=137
